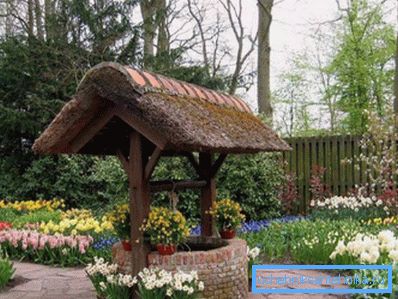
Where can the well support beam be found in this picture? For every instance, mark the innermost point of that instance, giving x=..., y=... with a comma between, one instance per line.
x=169, y=185
x=139, y=202
x=208, y=194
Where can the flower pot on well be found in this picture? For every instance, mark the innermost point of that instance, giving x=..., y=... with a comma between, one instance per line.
x=126, y=245
x=227, y=233
x=166, y=249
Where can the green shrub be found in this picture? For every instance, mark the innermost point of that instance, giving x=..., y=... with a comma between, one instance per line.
x=253, y=181
x=6, y=270
x=100, y=183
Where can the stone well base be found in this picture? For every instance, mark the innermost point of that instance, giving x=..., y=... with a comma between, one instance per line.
x=223, y=270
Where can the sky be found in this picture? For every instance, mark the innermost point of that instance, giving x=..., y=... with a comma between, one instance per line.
x=293, y=22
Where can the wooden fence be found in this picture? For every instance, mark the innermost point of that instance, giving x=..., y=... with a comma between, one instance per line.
x=327, y=152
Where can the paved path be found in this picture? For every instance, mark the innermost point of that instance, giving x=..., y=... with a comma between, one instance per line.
x=34, y=281
x=297, y=273
x=44, y=282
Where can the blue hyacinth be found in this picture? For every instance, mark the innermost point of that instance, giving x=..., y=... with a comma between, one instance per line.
x=105, y=243
x=253, y=226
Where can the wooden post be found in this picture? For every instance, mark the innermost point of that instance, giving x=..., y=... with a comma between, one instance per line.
x=208, y=194
x=139, y=203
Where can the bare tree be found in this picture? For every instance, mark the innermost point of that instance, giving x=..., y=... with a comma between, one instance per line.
x=148, y=11
x=264, y=50
x=163, y=44
x=235, y=19
x=39, y=22
x=198, y=14
x=30, y=18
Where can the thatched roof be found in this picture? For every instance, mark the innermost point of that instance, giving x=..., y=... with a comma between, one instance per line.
x=171, y=114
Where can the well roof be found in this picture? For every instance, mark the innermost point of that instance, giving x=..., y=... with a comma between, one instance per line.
x=171, y=114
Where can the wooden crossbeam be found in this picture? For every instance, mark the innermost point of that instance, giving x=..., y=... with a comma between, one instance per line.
x=151, y=164
x=141, y=127
x=123, y=160
x=194, y=163
x=217, y=165
x=168, y=185
x=91, y=130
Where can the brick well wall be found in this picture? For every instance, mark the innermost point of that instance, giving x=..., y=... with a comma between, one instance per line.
x=223, y=270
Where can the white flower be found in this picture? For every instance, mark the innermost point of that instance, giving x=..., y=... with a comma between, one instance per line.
x=102, y=285
x=169, y=292
x=201, y=286
x=393, y=255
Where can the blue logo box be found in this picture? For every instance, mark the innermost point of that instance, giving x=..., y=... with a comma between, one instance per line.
x=321, y=290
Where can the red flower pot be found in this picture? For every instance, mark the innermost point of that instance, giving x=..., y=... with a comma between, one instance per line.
x=227, y=233
x=126, y=245
x=166, y=249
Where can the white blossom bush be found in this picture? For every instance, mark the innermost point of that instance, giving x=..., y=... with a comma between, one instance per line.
x=370, y=249
x=352, y=207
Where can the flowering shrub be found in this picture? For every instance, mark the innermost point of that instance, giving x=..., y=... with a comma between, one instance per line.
x=33, y=205
x=165, y=226
x=46, y=249
x=228, y=214
x=151, y=283
x=356, y=207
x=318, y=189
x=289, y=194
x=77, y=222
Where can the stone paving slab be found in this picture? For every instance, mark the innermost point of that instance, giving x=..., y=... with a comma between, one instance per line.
x=44, y=282
x=312, y=273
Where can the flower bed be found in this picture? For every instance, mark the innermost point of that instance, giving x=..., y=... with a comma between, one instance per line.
x=46, y=249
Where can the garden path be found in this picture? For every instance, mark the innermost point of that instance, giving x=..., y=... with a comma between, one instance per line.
x=297, y=273
x=44, y=282
x=34, y=281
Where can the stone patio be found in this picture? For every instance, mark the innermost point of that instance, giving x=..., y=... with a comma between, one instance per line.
x=43, y=282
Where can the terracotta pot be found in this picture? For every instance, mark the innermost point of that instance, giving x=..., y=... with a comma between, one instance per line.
x=166, y=249
x=227, y=233
x=126, y=245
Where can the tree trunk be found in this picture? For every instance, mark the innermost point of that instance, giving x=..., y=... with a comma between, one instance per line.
x=39, y=22
x=263, y=84
x=8, y=24
x=163, y=39
x=49, y=12
x=30, y=18
x=148, y=12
